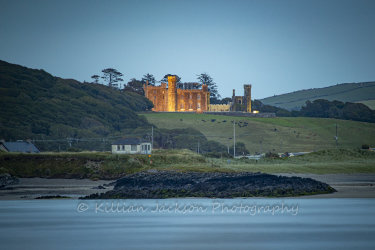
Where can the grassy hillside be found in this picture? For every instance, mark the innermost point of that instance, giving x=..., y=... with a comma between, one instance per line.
x=347, y=92
x=298, y=134
x=36, y=105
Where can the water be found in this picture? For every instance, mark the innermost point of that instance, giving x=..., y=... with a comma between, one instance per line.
x=204, y=224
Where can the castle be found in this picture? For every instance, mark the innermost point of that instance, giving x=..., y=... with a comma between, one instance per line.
x=187, y=97
x=238, y=102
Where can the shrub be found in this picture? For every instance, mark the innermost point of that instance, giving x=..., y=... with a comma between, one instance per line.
x=73, y=150
x=217, y=155
x=365, y=146
x=271, y=155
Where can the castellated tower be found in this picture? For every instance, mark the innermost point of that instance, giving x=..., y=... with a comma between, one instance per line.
x=247, y=97
x=172, y=94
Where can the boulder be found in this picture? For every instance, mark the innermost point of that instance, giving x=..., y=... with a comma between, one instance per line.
x=6, y=180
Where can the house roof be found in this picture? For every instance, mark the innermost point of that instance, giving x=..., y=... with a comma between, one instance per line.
x=130, y=141
x=25, y=147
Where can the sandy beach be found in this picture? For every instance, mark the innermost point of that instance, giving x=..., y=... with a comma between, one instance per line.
x=347, y=186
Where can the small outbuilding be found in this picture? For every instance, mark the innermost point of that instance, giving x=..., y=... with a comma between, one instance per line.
x=129, y=145
x=19, y=146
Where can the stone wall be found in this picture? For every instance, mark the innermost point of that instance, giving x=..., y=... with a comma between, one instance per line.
x=219, y=107
x=242, y=114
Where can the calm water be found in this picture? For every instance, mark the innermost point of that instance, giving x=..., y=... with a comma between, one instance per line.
x=188, y=224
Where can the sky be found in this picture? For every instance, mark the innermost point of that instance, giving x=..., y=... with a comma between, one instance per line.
x=278, y=46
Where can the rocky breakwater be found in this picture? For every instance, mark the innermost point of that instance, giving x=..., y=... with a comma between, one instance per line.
x=155, y=184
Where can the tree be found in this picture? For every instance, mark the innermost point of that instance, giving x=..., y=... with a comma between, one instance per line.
x=263, y=108
x=112, y=76
x=165, y=78
x=204, y=78
x=135, y=86
x=149, y=78
x=240, y=149
x=96, y=78
x=239, y=107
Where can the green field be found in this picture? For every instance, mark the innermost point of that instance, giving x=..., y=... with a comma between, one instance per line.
x=314, y=133
x=349, y=92
x=369, y=103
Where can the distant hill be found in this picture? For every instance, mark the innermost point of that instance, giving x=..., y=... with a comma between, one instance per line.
x=363, y=92
x=35, y=104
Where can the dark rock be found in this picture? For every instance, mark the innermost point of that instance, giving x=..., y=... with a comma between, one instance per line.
x=169, y=184
x=7, y=180
x=52, y=197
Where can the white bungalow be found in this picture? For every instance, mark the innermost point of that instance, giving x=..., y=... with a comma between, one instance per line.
x=127, y=145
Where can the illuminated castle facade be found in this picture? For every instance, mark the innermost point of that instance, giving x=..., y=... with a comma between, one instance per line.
x=180, y=97
x=187, y=97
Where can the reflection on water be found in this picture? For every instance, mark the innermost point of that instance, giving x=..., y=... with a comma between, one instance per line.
x=188, y=224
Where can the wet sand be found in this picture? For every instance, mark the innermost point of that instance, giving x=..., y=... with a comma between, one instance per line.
x=31, y=188
x=347, y=186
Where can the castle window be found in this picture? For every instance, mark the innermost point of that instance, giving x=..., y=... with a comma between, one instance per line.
x=199, y=97
x=199, y=105
x=239, y=101
x=190, y=106
x=154, y=97
x=154, y=91
x=190, y=96
x=182, y=106
x=182, y=96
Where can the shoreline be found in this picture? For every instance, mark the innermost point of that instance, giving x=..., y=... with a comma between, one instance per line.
x=347, y=186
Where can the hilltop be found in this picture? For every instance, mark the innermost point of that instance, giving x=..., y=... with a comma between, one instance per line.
x=363, y=92
x=35, y=104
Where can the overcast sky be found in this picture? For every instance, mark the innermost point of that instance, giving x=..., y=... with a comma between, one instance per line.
x=277, y=46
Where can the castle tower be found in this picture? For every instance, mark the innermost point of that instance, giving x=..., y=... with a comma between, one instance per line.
x=247, y=96
x=205, y=90
x=172, y=94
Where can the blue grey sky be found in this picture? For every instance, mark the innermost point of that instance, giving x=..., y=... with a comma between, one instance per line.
x=278, y=46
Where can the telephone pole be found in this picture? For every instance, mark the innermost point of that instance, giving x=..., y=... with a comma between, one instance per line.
x=234, y=139
x=281, y=141
x=337, y=142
